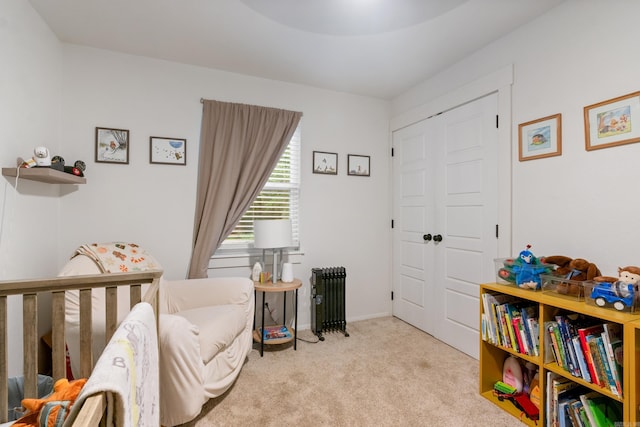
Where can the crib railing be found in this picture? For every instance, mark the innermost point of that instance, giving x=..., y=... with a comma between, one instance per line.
x=57, y=286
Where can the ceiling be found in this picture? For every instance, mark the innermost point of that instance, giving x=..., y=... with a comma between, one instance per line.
x=377, y=48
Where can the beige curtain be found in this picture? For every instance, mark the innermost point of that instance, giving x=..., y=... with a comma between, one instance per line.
x=239, y=147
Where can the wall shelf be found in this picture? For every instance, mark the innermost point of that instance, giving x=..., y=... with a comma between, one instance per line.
x=48, y=175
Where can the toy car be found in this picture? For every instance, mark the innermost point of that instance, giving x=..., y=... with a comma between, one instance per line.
x=618, y=294
x=520, y=400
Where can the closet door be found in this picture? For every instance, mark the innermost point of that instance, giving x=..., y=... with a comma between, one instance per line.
x=415, y=156
x=445, y=214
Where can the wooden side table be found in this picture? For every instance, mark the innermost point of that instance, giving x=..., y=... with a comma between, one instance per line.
x=279, y=286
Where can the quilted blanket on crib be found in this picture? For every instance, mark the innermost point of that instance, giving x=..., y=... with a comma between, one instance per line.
x=127, y=372
x=119, y=257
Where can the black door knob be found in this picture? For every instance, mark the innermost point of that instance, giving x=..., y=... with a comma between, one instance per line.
x=437, y=238
x=426, y=237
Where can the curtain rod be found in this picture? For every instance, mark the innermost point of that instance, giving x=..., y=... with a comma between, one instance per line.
x=202, y=101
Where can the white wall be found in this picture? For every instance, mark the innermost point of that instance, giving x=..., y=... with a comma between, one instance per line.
x=581, y=204
x=29, y=116
x=344, y=219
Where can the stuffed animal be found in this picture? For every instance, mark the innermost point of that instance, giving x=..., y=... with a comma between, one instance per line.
x=527, y=270
x=54, y=407
x=576, y=270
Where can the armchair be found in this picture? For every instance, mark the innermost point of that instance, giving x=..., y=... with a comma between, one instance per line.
x=205, y=335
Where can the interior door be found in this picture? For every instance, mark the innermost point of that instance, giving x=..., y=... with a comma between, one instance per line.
x=445, y=181
x=467, y=214
x=414, y=215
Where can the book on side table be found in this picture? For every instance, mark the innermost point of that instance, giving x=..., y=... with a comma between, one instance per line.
x=276, y=332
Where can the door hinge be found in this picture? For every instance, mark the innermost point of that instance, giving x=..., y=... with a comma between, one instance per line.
x=497, y=231
x=392, y=224
x=497, y=121
x=391, y=295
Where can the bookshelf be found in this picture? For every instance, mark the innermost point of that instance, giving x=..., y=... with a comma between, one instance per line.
x=548, y=305
x=632, y=364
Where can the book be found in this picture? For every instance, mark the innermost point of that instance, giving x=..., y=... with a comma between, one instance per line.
x=528, y=314
x=534, y=327
x=583, y=333
x=612, y=339
x=556, y=341
x=579, y=414
x=605, y=365
x=597, y=360
x=569, y=351
x=276, y=332
x=582, y=363
x=601, y=410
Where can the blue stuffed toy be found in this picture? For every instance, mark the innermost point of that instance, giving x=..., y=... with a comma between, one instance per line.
x=527, y=270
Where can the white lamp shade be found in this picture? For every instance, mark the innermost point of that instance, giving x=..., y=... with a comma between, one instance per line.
x=272, y=233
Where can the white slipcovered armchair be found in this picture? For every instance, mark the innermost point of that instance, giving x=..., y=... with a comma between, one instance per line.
x=205, y=335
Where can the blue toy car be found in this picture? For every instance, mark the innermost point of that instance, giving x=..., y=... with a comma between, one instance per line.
x=618, y=294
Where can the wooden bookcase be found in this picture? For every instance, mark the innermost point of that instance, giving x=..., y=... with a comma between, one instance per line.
x=549, y=304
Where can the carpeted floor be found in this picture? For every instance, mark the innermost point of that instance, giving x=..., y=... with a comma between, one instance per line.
x=387, y=373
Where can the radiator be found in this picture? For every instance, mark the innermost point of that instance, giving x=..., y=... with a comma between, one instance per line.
x=328, y=300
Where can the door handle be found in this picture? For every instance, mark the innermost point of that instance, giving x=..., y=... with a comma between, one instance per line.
x=426, y=237
x=437, y=238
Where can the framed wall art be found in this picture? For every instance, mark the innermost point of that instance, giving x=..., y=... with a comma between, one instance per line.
x=612, y=122
x=325, y=163
x=540, y=138
x=358, y=165
x=167, y=151
x=112, y=145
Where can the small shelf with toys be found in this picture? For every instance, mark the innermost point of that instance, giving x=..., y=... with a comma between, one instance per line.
x=44, y=174
x=562, y=353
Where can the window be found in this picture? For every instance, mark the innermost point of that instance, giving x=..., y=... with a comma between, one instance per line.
x=279, y=199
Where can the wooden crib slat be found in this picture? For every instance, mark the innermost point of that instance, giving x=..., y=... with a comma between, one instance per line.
x=30, y=345
x=4, y=359
x=111, y=312
x=58, y=348
x=135, y=295
x=86, y=322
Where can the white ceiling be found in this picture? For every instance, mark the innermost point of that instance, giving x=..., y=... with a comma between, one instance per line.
x=376, y=48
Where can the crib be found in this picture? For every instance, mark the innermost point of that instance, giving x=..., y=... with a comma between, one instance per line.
x=30, y=289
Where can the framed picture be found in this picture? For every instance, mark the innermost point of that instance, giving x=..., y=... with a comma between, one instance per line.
x=358, y=165
x=167, y=151
x=612, y=122
x=540, y=138
x=112, y=145
x=325, y=163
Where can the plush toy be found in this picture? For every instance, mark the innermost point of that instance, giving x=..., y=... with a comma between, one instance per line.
x=575, y=270
x=527, y=270
x=54, y=407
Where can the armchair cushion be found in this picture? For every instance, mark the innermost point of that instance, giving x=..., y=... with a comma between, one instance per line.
x=218, y=326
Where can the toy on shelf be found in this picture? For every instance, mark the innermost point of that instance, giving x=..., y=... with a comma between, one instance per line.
x=525, y=270
x=618, y=292
x=574, y=270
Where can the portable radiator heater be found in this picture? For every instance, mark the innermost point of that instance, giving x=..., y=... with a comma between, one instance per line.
x=328, y=300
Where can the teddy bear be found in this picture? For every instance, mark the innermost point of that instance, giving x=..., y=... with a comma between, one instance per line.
x=573, y=269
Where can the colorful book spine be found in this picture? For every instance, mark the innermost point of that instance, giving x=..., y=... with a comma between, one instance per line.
x=597, y=361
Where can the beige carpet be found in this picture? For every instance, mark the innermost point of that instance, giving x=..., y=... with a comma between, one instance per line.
x=387, y=373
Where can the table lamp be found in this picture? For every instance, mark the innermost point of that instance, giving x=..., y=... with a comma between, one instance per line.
x=273, y=234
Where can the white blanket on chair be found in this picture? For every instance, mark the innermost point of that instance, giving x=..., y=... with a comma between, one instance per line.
x=127, y=371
